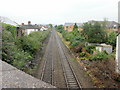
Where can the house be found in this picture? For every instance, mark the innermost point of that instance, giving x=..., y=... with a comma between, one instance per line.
x=69, y=26
x=27, y=29
x=110, y=25
x=43, y=28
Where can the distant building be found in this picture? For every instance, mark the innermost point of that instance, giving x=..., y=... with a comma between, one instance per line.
x=43, y=28
x=110, y=25
x=27, y=29
x=69, y=26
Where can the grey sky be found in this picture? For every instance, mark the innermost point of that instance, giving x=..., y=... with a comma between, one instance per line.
x=59, y=11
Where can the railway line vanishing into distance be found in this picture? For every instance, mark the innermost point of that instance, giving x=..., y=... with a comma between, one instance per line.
x=55, y=67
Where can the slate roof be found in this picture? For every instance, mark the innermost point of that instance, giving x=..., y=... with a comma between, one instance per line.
x=78, y=24
x=109, y=24
x=30, y=27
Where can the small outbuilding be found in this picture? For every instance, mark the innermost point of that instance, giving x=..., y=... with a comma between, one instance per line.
x=104, y=47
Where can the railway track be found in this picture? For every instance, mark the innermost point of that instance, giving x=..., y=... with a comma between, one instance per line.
x=47, y=70
x=56, y=54
x=70, y=77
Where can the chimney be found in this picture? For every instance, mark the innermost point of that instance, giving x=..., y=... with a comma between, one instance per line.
x=22, y=23
x=29, y=22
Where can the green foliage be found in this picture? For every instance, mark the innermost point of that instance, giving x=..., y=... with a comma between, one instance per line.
x=10, y=52
x=94, y=33
x=51, y=25
x=11, y=29
x=7, y=36
x=75, y=27
x=32, y=42
x=75, y=37
x=20, y=51
x=20, y=58
x=83, y=54
x=59, y=28
x=99, y=56
x=112, y=39
x=90, y=49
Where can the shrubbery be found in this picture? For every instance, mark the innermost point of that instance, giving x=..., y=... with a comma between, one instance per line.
x=92, y=34
x=75, y=38
x=99, y=56
x=21, y=51
x=90, y=49
x=32, y=42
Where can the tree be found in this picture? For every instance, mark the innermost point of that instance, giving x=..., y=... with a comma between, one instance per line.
x=60, y=28
x=75, y=27
x=51, y=25
x=112, y=38
x=94, y=33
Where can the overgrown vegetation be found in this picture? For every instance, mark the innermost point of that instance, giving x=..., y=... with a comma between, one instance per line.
x=112, y=39
x=74, y=37
x=20, y=52
x=100, y=66
x=94, y=33
x=91, y=33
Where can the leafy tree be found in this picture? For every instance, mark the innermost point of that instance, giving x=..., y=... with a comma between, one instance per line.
x=112, y=38
x=51, y=25
x=55, y=26
x=75, y=27
x=11, y=29
x=60, y=28
x=94, y=33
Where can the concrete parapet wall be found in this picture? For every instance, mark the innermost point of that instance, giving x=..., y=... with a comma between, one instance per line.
x=14, y=78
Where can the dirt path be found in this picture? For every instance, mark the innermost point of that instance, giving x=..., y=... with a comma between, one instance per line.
x=58, y=67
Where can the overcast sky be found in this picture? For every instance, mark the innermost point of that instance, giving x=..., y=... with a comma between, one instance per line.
x=58, y=11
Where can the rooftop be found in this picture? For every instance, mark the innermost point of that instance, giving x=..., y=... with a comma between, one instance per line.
x=78, y=24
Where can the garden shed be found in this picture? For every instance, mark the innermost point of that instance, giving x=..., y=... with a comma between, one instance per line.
x=104, y=47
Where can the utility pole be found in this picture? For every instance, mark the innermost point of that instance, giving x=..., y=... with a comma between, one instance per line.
x=118, y=44
x=118, y=54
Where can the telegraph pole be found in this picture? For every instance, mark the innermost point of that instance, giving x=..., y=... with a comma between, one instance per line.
x=118, y=43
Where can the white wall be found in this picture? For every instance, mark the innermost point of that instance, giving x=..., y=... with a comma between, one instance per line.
x=28, y=31
x=108, y=49
x=118, y=55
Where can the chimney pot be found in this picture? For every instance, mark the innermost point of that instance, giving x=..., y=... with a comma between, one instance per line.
x=29, y=22
x=22, y=23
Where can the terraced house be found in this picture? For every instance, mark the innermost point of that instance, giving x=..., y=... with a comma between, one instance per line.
x=27, y=29
x=69, y=26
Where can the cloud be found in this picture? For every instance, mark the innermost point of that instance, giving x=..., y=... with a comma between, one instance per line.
x=58, y=11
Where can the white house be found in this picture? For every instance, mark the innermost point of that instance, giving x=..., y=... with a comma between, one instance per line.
x=29, y=28
x=43, y=28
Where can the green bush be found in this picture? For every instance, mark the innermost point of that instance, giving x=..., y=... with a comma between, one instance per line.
x=11, y=29
x=20, y=58
x=75, y=43
x=19, y=52
x=99, y=56
x=90, y=49
x=83, y=54
x=32, y=42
